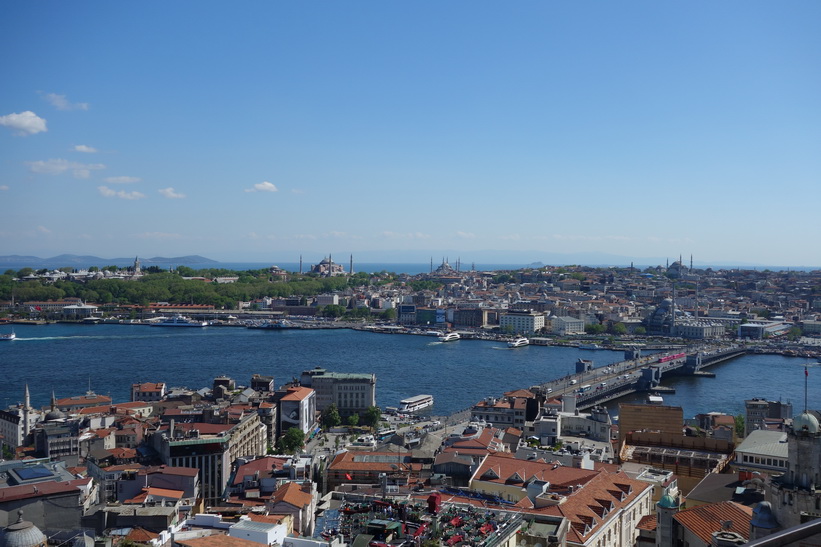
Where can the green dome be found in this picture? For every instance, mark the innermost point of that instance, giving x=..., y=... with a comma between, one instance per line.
x=668, y=502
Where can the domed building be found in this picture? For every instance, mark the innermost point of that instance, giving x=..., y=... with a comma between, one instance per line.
x=794, y=494
x=22, y=534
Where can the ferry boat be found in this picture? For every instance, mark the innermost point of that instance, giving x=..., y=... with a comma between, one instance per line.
x=274, y=325
x=654, y=399
x=449, y=337
x=418, y=402
x=179, y=321
x=8, y=336
x=590, y=346
x=518, y=342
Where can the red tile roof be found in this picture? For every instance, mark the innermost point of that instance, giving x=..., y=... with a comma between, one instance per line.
x=292, y=494
x=703, y=520
x=297, y=393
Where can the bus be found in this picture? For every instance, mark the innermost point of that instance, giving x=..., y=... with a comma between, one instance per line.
x=584, y=388
x=385, y=433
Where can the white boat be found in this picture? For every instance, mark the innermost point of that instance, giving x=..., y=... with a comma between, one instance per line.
x=590, y=346
x=179, y=321
x=417, y=402
x=433, y=333
x=655, y=399
x=450, y=337
x=518, y=342
x=8, y=336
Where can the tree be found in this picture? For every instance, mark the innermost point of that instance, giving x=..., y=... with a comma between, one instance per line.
x=619, y=329
x=331, y=418
x=292, y=440
x=594, y=328
x=353, y=420
x=641, y=331
x=372, y=416
x=739, y=425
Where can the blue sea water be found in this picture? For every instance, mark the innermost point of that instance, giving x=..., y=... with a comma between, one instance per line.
x=68, y=358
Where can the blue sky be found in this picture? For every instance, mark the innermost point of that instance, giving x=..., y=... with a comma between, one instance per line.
x=261, y=130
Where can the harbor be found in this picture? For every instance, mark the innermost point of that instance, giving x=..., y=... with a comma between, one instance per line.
x=457, y=375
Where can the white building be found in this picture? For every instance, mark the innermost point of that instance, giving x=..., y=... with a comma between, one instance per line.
x=565, y=324
x=521, y=322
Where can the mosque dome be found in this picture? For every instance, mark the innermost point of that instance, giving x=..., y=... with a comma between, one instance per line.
x=668, y=502
x=53, y=415
x=763, y=516
x=22, y=534
x=806, y=422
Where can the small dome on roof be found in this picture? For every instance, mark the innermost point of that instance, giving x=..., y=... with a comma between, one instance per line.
x=806, y=422
x=22, y=534
x=763, y=516
x=668, y=502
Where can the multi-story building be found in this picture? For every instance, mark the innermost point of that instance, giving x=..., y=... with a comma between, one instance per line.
x=297, y=408
x=521, y=322
x=565, y=324
x=149, y=391
x=351, y=393
x=17, y=422
x=763, y=414
x=211, y=448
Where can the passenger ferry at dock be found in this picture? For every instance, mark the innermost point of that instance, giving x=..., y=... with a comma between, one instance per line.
x=179, y=321
x=450, y=337
x=417, y=402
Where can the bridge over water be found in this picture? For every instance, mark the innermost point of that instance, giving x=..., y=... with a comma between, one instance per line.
x=595, y=386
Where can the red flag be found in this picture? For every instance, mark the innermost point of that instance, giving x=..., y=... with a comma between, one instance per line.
x=38, y=308
x=348, y=476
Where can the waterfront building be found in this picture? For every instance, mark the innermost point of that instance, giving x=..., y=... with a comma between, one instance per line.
x=521, y=322
x=351, y=393
x=565, y=324
x=149, y=391
x=758, y=330
x=502, y=412
x=699, y=329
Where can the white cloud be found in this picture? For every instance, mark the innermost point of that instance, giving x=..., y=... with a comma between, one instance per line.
x=60, y=166
x=122, y=194
x=4, y=187
x=24, y=123
x=159, y=235
x=170, y=193
x=85, y=149
x=122, y=180
x=60, y=102
x=466, y=235
x=43, y=230
x=408, y=235
x=304, y=236
x=262, y=187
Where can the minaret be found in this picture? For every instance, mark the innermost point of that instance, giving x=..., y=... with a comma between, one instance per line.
x=691, y=262
x=300, y=263
x=351, y=264
x=431, y=264
x=26, y=408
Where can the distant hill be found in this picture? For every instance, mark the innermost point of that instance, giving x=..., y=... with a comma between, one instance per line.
x=77, y=261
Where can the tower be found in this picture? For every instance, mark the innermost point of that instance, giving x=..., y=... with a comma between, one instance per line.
x=351, y=268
